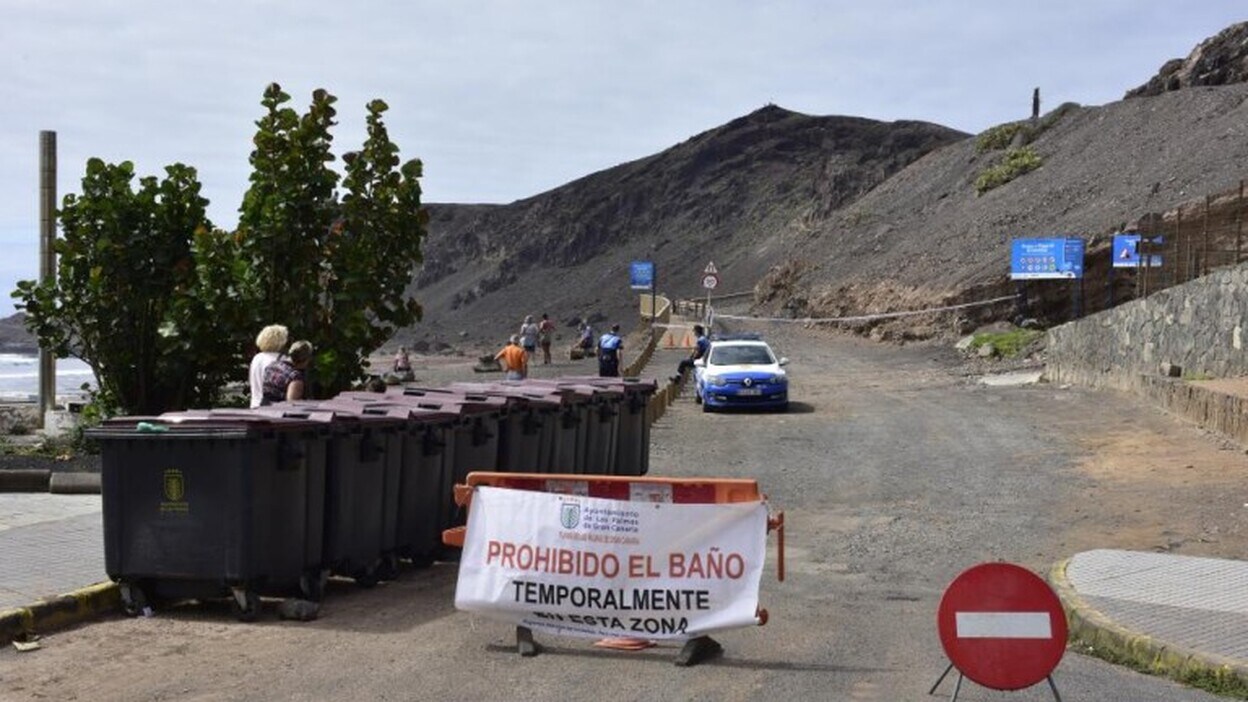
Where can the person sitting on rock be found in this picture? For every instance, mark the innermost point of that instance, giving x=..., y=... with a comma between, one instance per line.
x=513, y=359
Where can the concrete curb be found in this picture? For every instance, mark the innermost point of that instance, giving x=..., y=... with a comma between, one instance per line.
x=25, y=480
x=59, y=612
x=44, y=480
x=1095, y=634
x=75, y=484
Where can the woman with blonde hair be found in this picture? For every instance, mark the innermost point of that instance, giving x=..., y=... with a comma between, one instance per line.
x=270, y=342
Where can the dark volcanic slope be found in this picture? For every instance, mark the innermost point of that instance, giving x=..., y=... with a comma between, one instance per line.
x=926, y=237
x=723, y=195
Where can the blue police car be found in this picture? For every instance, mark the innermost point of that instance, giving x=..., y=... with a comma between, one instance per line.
x=741, y=372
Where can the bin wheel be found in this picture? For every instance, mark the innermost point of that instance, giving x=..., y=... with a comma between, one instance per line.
x=389, y=568
x=133, y=599
x=312, y=584
x=246, y=605
x=367, y=577
x=422, y=561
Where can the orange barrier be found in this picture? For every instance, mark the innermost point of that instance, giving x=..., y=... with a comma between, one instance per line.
x=625, y=487
x=635, y=489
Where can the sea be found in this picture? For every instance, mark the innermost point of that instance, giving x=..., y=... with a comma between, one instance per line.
x=19, y=377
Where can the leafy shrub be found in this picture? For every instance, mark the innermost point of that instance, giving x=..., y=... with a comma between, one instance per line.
x=998, y=137
x=1010, y=343
x=1016, y=163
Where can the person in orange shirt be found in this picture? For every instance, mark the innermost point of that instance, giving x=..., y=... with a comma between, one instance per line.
x=513, y=359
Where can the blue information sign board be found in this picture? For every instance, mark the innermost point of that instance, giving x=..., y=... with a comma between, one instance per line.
x=1035, y=259
x=1127, y=252
x=641, y=275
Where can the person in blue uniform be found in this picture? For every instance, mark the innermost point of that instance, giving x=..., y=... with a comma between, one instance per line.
x=701, y=346
x=610, y=353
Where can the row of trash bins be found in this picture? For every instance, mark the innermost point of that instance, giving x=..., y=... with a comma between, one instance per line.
x=272, y=501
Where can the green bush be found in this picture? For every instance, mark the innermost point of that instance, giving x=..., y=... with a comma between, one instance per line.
x=999, y=137
x=1016, y=163
x=1008, y=344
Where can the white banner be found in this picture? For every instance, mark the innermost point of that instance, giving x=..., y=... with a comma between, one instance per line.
x=584, y=566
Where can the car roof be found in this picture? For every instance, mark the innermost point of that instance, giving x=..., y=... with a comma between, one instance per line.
x=740, y=342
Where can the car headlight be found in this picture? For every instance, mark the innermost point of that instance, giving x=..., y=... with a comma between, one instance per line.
x=779, y=379
x=716, y=380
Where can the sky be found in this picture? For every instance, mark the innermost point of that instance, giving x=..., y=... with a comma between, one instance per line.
x=505, y=100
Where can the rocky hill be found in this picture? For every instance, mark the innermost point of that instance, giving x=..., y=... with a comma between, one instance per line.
x=719, y=196
x=828, y=216
x=14, y=338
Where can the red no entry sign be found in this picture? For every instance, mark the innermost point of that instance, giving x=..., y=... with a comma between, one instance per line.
x=1002, y=626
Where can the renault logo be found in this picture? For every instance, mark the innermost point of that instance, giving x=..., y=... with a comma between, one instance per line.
x=747, y=382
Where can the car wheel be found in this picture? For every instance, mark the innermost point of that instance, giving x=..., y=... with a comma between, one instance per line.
x=706, y=407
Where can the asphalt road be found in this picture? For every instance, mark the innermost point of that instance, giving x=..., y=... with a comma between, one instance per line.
x=895, y=470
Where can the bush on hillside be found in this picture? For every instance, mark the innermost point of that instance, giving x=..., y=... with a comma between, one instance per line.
x=999, y=137
x=1016, y=163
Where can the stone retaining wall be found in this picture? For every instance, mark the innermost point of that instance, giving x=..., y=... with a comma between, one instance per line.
x=1198, y=326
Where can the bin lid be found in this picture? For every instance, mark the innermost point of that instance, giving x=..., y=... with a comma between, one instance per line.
x=598, y=392
x=470, y=402
x=327, y=410
x=379, y=405
x=519, y=393
x=629, y=385
x=195, y=423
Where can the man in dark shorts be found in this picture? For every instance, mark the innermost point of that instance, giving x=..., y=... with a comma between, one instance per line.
x=610, y=353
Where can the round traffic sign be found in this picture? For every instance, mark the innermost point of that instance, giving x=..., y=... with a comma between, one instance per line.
x=709, y=281
x=1002, y=626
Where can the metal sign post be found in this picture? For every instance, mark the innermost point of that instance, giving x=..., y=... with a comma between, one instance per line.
x=710, y=280
x=47, y=262
x=641, y=276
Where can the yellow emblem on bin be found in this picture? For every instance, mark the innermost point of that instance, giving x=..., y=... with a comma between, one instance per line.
x=175, y=492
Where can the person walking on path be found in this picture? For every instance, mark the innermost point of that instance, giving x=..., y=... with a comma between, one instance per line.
x=528, y=337
x=610, y=353
x=700, y=348
x=286, y=378
x=513, y=359
x=270, y=342
x=545, y=333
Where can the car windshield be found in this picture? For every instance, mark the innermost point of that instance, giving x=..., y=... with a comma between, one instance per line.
x=741, y=355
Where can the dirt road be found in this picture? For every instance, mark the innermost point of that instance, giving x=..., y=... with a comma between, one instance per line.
x=896, y=472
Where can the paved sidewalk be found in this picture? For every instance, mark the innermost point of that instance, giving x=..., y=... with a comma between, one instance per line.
x=52, y=544
x=1175, y=614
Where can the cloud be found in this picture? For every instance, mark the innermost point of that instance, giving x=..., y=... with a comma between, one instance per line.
x=503, y=100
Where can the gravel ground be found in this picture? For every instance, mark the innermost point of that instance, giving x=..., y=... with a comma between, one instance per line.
x=896, y=472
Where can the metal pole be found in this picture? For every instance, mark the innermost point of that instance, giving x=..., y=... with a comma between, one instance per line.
x=654, y=294
x=47, y=261
x=1204, y=238
x=1239, y=221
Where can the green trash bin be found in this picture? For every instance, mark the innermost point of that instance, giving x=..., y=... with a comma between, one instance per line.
x=474, y=439
x=361, y=489
x=428, y=455
x=528, y=434
x=601, y=425
x=632, y=454
x=198, y=506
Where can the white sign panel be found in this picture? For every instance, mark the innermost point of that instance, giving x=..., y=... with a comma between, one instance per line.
x=584, y=566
